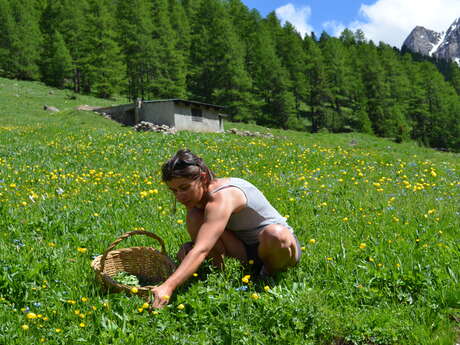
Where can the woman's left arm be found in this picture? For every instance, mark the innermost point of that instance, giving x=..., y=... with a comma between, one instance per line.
x=216, y=215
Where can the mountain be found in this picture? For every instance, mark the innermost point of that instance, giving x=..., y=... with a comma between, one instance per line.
x=442, y=45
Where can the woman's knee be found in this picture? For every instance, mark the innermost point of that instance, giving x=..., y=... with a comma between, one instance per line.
x=274, y=236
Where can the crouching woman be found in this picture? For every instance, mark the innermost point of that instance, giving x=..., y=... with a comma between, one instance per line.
x=226, y=217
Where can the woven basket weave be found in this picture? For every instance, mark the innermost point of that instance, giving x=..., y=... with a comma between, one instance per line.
x=148, y=264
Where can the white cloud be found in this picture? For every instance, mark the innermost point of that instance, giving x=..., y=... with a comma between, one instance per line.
x=334, y=27
x=391, y=21
x=298, y=17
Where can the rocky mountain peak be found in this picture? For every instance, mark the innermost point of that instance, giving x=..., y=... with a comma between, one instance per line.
x=438, y=44
x=422, y=40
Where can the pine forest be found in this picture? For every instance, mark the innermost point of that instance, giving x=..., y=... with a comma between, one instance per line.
x=222, y=52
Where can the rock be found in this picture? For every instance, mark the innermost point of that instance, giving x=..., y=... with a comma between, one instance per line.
x=145, y=126
x=50, y=108
x=249, y=134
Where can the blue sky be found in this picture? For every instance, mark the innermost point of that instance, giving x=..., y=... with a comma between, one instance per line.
x=389, y=21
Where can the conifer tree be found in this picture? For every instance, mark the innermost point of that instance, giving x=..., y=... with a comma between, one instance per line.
x=135, y=28
x=56, y=64
x=169, y=70
x=320, y=94
x=21, y=39
x=102, y=68
x=217, y=73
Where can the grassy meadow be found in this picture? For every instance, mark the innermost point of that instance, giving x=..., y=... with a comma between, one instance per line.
x=379, y=225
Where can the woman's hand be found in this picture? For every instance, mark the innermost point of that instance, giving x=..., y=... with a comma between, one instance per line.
x=161, y=295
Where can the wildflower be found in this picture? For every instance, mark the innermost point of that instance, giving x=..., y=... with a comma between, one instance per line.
x=84, y=299
x=345, y=219
x=145, y=305
x=31, y=316
x=82, y=250
x=398, y=265
x=312, y=241
x=42, y=340
x=71, y=301
x=195, y=274
x=58, y=330
x=267, y=288
x=134, y=290
x=25, y=327
x=255, y=296
x=165, y=297
x=82, y=324
x=302, y=248
x=362, y=245
x=246, y=278
x=251, y=262
x=329, y=259
x=181, y=307
x=51, y=244
x=95, y=214
x=180, y=221
x=140, y=310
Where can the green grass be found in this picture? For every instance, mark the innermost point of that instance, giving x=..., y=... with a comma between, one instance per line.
x=378, y=223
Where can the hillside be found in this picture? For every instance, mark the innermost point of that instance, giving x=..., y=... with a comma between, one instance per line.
x=221, y=52
x=378, y=224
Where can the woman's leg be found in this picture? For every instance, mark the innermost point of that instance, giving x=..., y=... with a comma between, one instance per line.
x=227, y=245
x=278, y=248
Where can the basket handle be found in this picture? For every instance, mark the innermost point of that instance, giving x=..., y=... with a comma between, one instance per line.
x=129, y=234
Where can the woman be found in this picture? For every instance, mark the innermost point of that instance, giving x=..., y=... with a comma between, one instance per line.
x=225, y=217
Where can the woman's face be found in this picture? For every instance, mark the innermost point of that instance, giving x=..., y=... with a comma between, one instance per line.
x=188, y=192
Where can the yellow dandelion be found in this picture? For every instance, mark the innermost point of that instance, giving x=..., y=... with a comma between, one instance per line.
x=246, y=278
x=140, y=310
x=345, y=219
x=181, y=307
x=180, y=221
x=251, y=262
x=312, y=241
x=84, y=299
x=195, y=274
x=25, y=327
x=362, y=245
x=267, y=288
x=82, y=324
x=31, y=316
x=134, y=290
x=255, y=296
x=82, y=250
x=58, y=330
x=329, y=259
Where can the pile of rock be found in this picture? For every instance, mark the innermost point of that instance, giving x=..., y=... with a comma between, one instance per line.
x=144, y=126
x=249, y=134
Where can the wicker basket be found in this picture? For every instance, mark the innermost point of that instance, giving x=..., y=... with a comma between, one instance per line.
x=148, y=264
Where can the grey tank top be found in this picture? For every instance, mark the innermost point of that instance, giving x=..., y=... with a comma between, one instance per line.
x=258, y=213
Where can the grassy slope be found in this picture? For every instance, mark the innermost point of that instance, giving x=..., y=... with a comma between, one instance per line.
x=378, y=222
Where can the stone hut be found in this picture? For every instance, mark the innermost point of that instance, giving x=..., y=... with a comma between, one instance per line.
x=178, y=113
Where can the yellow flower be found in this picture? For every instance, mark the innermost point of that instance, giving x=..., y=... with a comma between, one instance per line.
x=312, y=241
x=195, y=274
x=181, y=307
x=165, y=297
x=180, y=221
x=362, y=245
x=398, y=265
x=251, y=262
x=82, y=324
x=52, y=244
x=25, y=327
x=134, y=290
x=267, y=288
x=255, y=296
x=82, y=250
x=31, y=316
x=58, y=330
x=246, y=278
x=140, y=310
x=145, y=305
x=84, y=299
x=345, y=219
x=329, y=259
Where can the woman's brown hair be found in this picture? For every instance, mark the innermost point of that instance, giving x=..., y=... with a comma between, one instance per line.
x=187, y=165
